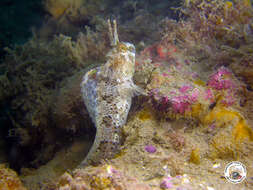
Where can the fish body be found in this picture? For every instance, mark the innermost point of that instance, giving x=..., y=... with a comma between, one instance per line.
x=107, y=92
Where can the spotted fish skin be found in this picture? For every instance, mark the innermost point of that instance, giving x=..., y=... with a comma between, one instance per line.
x=107, y=93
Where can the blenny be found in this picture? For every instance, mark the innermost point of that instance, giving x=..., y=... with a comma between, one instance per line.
x=107, y=92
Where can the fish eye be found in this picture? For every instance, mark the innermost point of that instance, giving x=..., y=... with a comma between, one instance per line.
x=128, y=47
x=132, y=49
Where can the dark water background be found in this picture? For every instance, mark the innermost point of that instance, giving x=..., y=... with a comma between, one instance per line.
x=17, y=17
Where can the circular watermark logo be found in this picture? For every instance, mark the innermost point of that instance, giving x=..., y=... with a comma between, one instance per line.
x=235, y=172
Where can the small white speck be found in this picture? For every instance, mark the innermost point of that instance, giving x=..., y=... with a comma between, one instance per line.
x=185, y=180
x=216, y=165
x=210, y=188
x=201, y=185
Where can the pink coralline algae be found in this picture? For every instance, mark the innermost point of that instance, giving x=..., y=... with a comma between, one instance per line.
x=185, y=88
x=175, y=87
x=179, y=103
x=194, y=95
x=229, y=100
x=209, y=95
x=182, y=103
x=165, y=51
x=150, y=149
x=166, y=183
x=221, y=79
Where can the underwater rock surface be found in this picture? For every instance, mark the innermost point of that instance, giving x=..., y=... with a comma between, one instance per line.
x=196, y=118
x=9, y=179
x=192, y=116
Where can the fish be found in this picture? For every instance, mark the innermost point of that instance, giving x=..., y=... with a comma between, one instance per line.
x=107, y=92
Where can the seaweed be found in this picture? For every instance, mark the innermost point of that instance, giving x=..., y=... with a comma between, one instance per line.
x=34, y=74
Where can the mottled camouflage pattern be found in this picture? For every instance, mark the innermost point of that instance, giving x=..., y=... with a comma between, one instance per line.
x=107, y=93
